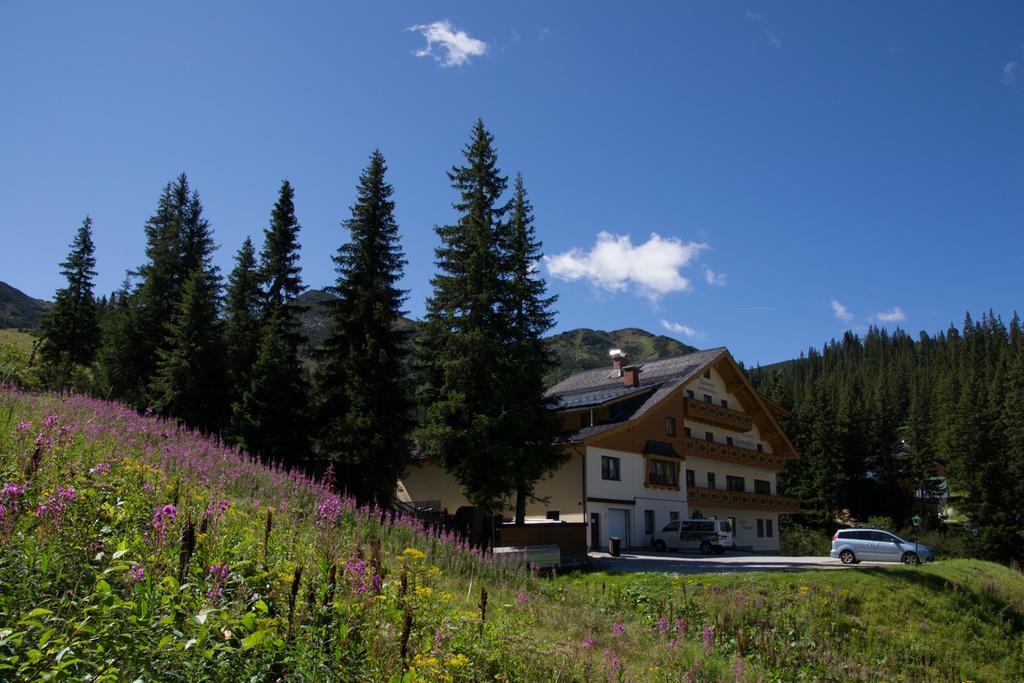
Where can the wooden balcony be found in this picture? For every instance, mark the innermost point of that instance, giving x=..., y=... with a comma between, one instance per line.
x=702, y=497
x=698, y=448
x=717, y=415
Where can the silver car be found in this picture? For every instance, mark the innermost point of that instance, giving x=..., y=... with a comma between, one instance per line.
x=853, y=545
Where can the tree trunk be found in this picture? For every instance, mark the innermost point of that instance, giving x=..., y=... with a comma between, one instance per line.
x=520, y=504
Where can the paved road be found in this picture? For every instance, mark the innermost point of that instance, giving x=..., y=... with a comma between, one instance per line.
x=693, y=563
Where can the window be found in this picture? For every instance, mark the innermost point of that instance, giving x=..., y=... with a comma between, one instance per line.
x=707, y=374
x=587, y=419
x=725, y=404
x=661, y=472
x=760, y=447
x=689, y=393
x=709, y=436
x=648, y=521
x=670, y=426
x=707, y=398
x=763, y=487
x=760, y=528
x=686, y=430
x=609, y=468
x=552, y=514
x=691, y=478
x=674, y=517
x=728, y=441
x=711, y=480
x=734, y=483
x=768, y=531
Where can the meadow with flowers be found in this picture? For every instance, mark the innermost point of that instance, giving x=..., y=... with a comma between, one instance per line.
x=132, y=549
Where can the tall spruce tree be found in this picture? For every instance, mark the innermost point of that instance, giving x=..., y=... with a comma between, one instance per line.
x=272, y=417
x=70, y=330
x=364, y=400
x=178, y=242
x=242, y=312
x=528, y=317
x=190, y=380
x=463, y=347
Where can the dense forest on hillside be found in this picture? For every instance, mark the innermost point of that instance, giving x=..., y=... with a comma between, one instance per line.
x=874, y=418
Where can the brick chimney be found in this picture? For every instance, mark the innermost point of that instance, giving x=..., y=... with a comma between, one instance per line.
x=619, y=360
x=631, y=376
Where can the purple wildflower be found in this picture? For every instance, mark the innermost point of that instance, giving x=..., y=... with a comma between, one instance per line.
x=135, y=574
x=619, y=627
x=739, y=668
x=522, y=598
x=709, y=634
x=587, y=642
x=100, y=468
x=218, y=574
x=148, y=487
x=662, y=625
x=24, y=426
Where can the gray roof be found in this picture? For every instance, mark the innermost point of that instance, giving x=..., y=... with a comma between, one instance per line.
x=658, y=379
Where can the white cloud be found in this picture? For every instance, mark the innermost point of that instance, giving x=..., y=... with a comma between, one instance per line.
x=752, y=16
x=892, y=316
x=841, y=312
x=1009, y=72
x=773, y=39
x=454, y=47
x=679, y=328
x=615, y=264
x=713, y=278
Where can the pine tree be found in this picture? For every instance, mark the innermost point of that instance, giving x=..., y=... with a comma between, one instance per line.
x=242, y=321
x=462, y=349
x=272, y=417
x=190, y=380
x=528, y=317
x=178, y=242
x=268, y=421
x=70, y=330
x=364, y=404
x=118, y=357
x=280, y=273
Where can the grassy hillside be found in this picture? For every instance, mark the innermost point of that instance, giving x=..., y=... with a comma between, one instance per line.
x=585, y=349
x=132, y=549
x=20, y=340
x=18, y=309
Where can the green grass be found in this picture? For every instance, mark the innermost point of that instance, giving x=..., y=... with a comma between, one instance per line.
x=18, y=339
x=289, y=581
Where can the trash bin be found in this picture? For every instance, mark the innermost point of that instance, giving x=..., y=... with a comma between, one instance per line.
x=614, y=546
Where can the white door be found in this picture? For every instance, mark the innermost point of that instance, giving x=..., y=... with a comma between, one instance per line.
x=618, y=525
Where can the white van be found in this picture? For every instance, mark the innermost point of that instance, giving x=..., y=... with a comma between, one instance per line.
x=705, y=535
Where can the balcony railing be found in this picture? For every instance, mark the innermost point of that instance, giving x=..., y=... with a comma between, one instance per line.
x=698, y=448
x=715, y=414
x=697, y=496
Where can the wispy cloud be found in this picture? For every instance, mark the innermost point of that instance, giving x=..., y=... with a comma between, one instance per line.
x=615, y=264
x=841, y=311
x=679, y=328
x=894, y=315
x=773, y=39
x=1009, y=72
x=453, y=47
x=715, y=279
x=752, y=16
x=544, y=33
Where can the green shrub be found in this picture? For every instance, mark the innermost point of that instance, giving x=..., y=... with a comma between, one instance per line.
x=800, y=541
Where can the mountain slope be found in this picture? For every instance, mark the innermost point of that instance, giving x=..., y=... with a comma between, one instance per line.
x=18, y=309
x=585, y=349
x=574, y=350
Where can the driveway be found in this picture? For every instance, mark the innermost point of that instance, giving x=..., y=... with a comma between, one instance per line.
x=693, y=563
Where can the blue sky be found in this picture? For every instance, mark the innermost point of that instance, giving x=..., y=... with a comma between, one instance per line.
x=760, y=176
